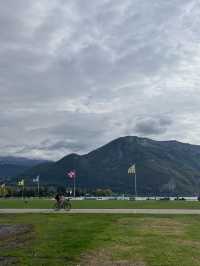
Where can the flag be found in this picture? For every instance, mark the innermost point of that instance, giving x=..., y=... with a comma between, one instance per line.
x=71, y=174
x=37, y=179
x=132, y=170
x=21, y=183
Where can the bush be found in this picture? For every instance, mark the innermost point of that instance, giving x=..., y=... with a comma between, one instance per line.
x=166, y=198
x=132, y=198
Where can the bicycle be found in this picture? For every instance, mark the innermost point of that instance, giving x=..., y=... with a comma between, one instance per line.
x=65, y=206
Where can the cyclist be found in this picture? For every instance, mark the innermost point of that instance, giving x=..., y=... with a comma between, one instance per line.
x=61, y=202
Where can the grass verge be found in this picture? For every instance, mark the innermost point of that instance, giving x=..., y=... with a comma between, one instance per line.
x=101, y=204
x=101, y=240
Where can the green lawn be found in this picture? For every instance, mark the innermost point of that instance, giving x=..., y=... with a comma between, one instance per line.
x=100, y=240
x=107, y=204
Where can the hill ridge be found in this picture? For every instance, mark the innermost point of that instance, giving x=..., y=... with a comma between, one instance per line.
x=162, y=167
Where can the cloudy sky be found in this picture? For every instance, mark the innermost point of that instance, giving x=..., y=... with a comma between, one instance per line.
x=75, y=74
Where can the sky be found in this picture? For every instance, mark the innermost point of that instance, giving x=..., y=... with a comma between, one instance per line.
x=77, y=74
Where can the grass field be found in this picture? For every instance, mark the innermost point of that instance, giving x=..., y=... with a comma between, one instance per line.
x=100, y=240
x=107, y=204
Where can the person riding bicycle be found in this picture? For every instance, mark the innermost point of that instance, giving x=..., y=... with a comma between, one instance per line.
x=62, y=202
x=60, y=199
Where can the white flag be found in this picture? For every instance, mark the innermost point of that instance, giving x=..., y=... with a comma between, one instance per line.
x=131, y=170
x=21, y=183
x=36, y=180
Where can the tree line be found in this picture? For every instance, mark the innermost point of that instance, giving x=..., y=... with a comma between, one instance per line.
x=50, y=191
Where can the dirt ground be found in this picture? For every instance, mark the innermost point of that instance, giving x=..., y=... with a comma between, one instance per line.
x=12, y=236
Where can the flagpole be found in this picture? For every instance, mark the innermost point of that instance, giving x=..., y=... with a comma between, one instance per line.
x=38, y=188
x=135, y=184
x=23, y=192
x=74, y=187
x=132, y=171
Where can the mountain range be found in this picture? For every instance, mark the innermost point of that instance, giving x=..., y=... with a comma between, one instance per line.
x=12, y=166
x=162, y=167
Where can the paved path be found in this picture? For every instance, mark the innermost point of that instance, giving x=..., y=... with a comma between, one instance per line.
x=117, y=211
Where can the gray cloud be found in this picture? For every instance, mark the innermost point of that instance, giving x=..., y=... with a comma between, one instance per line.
x=76, y=74
x=153, y=126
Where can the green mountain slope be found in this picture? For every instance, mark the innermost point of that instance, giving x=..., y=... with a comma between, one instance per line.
x=162, y=167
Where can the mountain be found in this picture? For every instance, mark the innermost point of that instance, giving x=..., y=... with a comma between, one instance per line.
x=162, y=167
x=12, y=166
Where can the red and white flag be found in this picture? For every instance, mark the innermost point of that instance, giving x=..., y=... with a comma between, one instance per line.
x=72, y=174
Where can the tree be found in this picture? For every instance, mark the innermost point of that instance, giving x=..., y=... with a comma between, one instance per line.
x=3, y=191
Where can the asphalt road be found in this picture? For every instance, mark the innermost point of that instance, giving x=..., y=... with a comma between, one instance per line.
x=117, y=211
